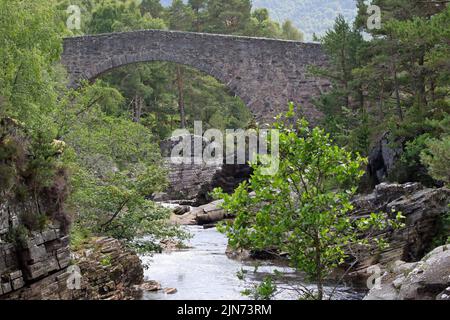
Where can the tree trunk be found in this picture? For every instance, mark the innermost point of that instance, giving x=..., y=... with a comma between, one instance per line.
x=381, y=101
x=433, y=90
x=180, y=84
x=319, y=268
x=397, y=94
x=138, y=103
x=422, y=99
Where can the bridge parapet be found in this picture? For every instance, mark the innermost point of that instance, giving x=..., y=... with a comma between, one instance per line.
x=265, y=73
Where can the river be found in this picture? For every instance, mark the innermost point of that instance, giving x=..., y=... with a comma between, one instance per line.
x=204, y=272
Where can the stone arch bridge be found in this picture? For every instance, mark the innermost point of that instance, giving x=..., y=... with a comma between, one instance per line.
x=265, y=73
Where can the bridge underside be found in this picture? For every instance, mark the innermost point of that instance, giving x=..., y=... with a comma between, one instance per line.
x=266, y=74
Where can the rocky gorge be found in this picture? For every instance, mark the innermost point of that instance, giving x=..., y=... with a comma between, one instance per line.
x=424, y=210
x=44, y=267
x=103, y=269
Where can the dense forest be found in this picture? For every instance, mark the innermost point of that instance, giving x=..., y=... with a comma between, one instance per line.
x=110, y=130
x=102, y=139
x=310, y=16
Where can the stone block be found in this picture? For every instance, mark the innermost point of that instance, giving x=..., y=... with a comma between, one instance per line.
x=35, y=254
x=52, y=264
x=10, y=258
x=65, y=241
x=18, y=283
x=35, y=271
x=49, y=235
x=2, y=262
x=37, y=238
x=63, y=256
x=6, y=287
x=16, y=274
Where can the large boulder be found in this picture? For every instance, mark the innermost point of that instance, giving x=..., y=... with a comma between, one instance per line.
x=423, y=209
x=207, y=214
x=210, y=213
x=428, y=279
x=382, y=158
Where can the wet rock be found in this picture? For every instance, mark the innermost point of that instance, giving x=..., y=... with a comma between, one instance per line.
x=170, y=245
x=170, y=291
x=187, y=219
x=210, y=213
x=179, y=211
x=151, y=285
x=429, y=279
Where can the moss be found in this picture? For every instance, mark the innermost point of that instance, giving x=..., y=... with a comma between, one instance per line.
x=106, y=261
x=18, y=236
x=34, y=221
x=79, y=237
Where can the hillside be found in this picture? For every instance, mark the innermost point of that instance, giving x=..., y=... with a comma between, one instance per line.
x=310, y=16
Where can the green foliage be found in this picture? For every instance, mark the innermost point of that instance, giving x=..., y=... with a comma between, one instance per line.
x=265, y=290
x=18, y=236
x=312, y=17
x=106, y=261
x=409, y=166
x=346, y=116
x=437, y=158
x=304, y=209
x=115, y=166
x=48, y=130
x=443, y=235
x=395, y=81
x=79, y=237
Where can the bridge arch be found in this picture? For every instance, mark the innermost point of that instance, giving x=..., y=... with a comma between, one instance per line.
x=264, y=73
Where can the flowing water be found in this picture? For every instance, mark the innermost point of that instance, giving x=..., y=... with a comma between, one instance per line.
x=204, y=272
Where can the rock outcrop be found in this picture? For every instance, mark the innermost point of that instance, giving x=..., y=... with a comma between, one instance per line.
x=422, y=207
x=27, y=257
x=191, y=182
x=207, y=214
x=382, y=159
x=104, y=269
x=428, y=279
x=109, y=270
x=41, y=255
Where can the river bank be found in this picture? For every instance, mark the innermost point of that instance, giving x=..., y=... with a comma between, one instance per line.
x=203, y=272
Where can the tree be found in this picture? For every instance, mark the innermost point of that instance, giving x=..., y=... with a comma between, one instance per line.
x=344, y=105
x=198, y=7
x=180, y=16
x=229, y=17
x=304, y=208
x=115, y=165
x=436, y=154
x=290, y=32
x=437, y=158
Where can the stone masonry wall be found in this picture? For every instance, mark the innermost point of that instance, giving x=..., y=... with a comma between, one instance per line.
x=265, y=73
